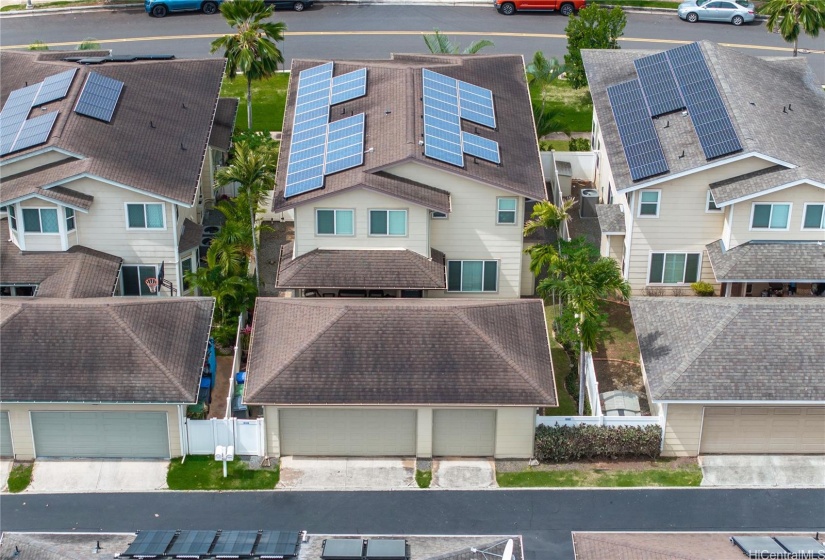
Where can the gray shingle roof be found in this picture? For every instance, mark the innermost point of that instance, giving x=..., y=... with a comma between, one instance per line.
x=394, y=126
x=377, y=269
x=190, y=236
x=728, y=349
x=750, y=183
x=224, y=123
x=104, y=350
x=176, y=97
x=611, y=218
x=399, y=351
x=769, y=261
x=754, y=90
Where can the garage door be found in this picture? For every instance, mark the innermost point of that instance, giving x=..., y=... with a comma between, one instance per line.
x=100, y=434
x=358, y=433
x=763, y=430
x=5, y=436
x=464, y=433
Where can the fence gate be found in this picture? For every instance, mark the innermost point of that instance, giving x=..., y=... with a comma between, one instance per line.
x=247, y=436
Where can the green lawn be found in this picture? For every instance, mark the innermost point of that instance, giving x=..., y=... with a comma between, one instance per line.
x=682, y=476
x=423, y=478
x=561, y=366
x=201, y=472
x=20, y=477
x=558, y=145
x=268, y=100
x=573, y=108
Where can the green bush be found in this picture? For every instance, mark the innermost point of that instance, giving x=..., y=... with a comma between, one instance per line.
x=702, y=289
x=561, y=444
x=423, y=478
x=38, y=46
x=579, y=145
x=20, y=477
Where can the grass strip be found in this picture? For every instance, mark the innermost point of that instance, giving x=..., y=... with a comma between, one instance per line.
x=268, y=101
x=20, y=477
x=601, y=478
x=423, y=478
x=202, y=472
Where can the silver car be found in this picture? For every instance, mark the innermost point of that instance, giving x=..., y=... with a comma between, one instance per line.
x=717, y=10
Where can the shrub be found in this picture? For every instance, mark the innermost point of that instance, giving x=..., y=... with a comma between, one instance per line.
x=561, y=444
x=579, y=145
x=38, y=46
x=702, y=289
x=89, y=44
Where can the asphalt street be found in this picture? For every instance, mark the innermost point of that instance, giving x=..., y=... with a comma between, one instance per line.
x=376, y=31
x=544, y=518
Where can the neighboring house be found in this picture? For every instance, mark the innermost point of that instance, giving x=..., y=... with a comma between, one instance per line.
x=736, y=375
x=710, y=165
x=104, y=377
x=117, y=157
x=408, y=177
x=380, y=377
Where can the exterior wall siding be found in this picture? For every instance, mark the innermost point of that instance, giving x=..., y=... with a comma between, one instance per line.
x=515, y=432
x=683, y=429
x=32, y=162
x=797, y=196
x=40, y=241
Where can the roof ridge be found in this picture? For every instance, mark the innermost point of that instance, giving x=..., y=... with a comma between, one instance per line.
x=421, y=264
x=13, y=314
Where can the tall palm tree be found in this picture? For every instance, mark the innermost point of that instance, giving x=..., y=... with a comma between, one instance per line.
x=791, y=18
x=441, y=44
x=253, y=48
x=541, y=72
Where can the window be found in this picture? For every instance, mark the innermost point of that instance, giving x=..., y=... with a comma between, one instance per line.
x=438, y=215
x=649, y=203
x=69, y=219
x=40, y=220
x=710, y=205
x=186, y=266
x=770, y=216
x=133, y=279
x=12, y=217
x=18, y=290
x=506, y=211
x=472, y=276
x=814, y=216
x=674, y=268
x=334, y=222
x=388, y=222
x=145, y=216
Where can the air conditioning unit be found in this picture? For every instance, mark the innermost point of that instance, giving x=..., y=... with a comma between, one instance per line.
x=589, y=198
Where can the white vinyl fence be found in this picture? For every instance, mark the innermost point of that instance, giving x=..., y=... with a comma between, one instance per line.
x=598, y=420
x=583, y=164
x=591, y=384
x=246, y=435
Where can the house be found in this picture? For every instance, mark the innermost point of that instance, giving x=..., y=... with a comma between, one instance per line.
x=737, y=376
x=408, y=177
x=709, y=168
x=399, y=377
x=99, y=377
x=117, y=157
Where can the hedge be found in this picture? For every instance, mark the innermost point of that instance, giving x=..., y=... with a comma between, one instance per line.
x=561, y=444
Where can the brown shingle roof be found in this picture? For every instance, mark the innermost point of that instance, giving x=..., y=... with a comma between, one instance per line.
x=224, y=123
x=399, y=351
x=190, y=236
x=377, y=269
x=768, y=261
x=104, y=350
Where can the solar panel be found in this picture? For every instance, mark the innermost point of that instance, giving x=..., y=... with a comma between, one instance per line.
x=15, y=111
x=99, y=97
x=345, y=144
x=342, y=549
x=639, y=140
x=704, y=103
x=349, y=86
x=802, y=547
x=34, y=131
x=278, y=544
x=759, y=547
x=149, y=544
x=658, y=84
x=386, y=549
x=234, y=544
x=54, y=87
x=480, y=147
x=192, y=544
x=476, y=104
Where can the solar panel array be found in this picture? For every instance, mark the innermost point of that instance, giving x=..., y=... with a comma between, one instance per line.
x=318, y=147
x=35, y=131
x=658, y=84
x=639, y=140
x=99, y=97
x=214, y=544
x=446, y=102
x=54, y=87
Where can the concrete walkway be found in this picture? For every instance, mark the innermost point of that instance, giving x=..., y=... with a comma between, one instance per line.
x=5, y=469
x=763, y=471
x=104, y=475
x=331, y=473
x=464, y=474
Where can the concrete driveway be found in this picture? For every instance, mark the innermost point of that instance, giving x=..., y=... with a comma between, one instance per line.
x=345, y=473
x=5, y=469
x=464, y=474
x=101, y=475
x=766, y=471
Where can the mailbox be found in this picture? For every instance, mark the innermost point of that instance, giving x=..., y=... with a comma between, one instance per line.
x=220, y=453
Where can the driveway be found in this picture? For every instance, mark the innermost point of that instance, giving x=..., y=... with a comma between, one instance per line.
x=344, y=473
x=765, y=471
x=464, y=474
x=102, y=475
x=5, y=469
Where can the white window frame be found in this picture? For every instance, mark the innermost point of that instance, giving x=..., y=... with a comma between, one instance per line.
x=708, y=201
x=388, y=210
x=13, y=289
x=770, y=216
x=658, y=203
x=335, y=222
x=805, y=213
x=461, y=279
x=192, y=268
x=144, y=204
x=73, y=219
x=12, y=214
x=40, y=218
x=682, y=283
x=499, y=211
x=441, y=215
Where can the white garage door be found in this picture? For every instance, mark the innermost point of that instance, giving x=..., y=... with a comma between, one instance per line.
x=356, y=433
x=763, y=430
x=5, y=436
x=100, y=434
x=464, y=433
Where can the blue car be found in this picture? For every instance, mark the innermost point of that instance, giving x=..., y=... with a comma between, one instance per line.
x=159, y=8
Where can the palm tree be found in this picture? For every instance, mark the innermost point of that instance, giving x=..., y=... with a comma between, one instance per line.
x=541, y=72
x=441, y=44
x=790, y=18
x=253, y=48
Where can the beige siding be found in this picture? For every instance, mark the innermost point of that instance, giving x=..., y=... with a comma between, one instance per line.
x=362, y=201
x=21, y=432
x=515, y=429
x=424, y=433
x=615, y=247
x=40, y=241
x=797, y=196
x=683, y=427
x=273, y=431
x=528, y=281
x=31, y=162
x=471, y=231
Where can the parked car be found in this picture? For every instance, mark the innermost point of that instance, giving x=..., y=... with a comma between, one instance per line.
x=744, y=3
x=717, y=10
x=159, y=8
x=299, y=6
x=566, y=7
